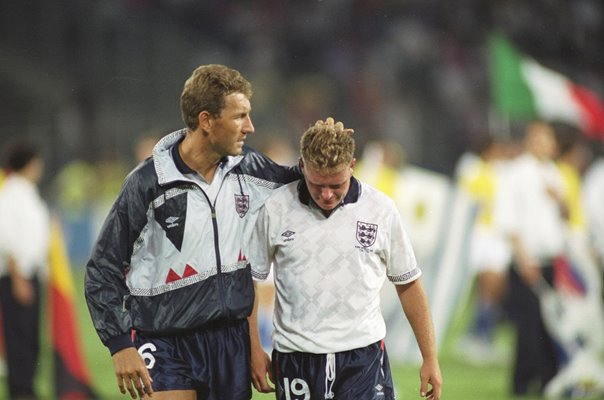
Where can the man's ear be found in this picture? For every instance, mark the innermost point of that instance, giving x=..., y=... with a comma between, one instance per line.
x=301, y=163
x=205, y=121
x=352, y=163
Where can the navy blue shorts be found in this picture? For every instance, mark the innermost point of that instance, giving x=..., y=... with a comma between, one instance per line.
x=349, y=375
x=214, y=361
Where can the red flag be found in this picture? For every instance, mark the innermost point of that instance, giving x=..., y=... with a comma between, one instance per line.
x=71, y=378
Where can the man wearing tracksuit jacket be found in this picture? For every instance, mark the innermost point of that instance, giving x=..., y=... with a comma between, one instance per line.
x=168, y=284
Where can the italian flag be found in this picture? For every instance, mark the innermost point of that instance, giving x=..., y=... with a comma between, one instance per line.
x=523, y=89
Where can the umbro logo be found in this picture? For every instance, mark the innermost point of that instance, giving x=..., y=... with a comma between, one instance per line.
x=171, y=222
x=288, y=235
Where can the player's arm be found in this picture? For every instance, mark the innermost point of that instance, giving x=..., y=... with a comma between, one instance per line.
x=260, y=361
x=527, y=266
x=22, y=288
x=415, y=305
x=258, y=251
x=131, y=373
x=106, y=290
x=258, y=164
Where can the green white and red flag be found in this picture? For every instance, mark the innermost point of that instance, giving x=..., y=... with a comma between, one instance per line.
x=523, y=89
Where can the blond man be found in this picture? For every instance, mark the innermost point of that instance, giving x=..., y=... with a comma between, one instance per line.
x=332, y=242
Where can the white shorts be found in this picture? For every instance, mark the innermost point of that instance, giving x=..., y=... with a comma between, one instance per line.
x=488, y=251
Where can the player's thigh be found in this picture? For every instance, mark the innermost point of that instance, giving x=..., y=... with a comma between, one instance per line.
x=173, y=395
x=364, y=374
x=222, y=356
x=299, y=376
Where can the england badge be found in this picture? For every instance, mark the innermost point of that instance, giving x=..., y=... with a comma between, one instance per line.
x=242, y=204
x=366, y=233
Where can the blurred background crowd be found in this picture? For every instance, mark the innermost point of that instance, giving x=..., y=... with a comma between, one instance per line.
x=88, y=78
x=96, y=83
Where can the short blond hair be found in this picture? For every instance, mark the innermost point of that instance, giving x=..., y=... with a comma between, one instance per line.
x=327, y=146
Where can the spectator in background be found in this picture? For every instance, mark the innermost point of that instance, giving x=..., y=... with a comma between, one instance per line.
x=578, y=280
x=593, y=193
x=572, y=160
x=333, y=242
x=2, y=348
x=24, y=243
x=381, y=166
x=489, y=252
x=143, y=148
x=531, y=213
x=280, y=150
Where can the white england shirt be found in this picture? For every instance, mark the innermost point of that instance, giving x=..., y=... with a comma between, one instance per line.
x=328, y=272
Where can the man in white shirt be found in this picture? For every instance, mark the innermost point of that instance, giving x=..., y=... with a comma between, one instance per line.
x=593, y=193
x=24, y=237
x=333, y=242
x=530, y=213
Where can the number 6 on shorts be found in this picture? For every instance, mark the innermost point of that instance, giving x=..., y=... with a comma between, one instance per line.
x=147, y=356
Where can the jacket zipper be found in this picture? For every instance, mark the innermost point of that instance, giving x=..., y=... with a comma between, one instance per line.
x=216, y=251
x=216, y=241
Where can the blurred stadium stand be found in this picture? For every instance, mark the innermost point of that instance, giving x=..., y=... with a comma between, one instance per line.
x=86, y=78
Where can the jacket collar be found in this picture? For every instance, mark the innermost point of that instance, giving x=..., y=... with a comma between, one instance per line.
x=169, y=165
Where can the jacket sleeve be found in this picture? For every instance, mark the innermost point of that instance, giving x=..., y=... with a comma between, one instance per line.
x=259, y=165
x=105, y=284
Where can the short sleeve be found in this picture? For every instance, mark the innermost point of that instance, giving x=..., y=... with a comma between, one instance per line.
x=401, y=264
x=259, y=248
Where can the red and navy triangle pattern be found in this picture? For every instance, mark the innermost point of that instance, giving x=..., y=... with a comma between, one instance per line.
x=173, y=276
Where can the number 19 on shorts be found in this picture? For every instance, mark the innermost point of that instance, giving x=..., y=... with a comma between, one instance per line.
x=297, y=387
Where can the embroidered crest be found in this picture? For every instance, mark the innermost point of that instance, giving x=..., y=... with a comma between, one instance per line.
x=366, y=233
x=242, y=204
